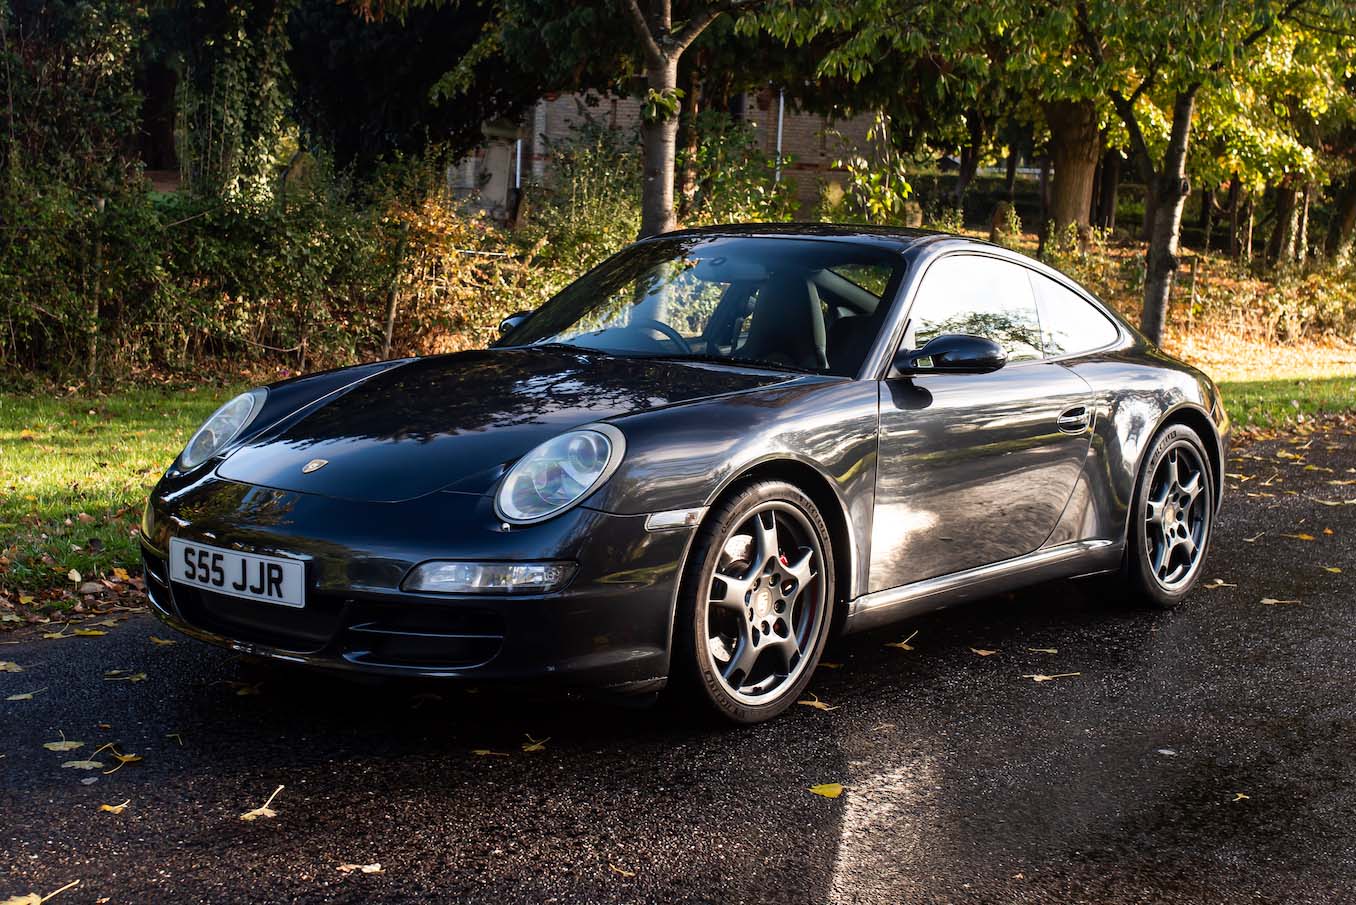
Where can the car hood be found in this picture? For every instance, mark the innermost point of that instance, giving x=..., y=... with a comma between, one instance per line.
x=451, y=422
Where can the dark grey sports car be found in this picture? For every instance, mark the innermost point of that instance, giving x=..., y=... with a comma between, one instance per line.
x=692, y=466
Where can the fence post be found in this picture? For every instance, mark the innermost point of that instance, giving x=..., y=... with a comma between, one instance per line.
x=97, y=265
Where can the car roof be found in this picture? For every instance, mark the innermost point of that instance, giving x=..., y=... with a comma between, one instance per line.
x=897, y=238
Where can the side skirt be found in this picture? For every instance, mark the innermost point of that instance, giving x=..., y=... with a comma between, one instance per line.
x=890, y=605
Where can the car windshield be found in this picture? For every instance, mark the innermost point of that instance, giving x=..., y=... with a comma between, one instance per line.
x=801, y=304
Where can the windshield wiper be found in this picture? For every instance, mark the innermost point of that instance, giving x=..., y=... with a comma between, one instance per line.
x=731, y=362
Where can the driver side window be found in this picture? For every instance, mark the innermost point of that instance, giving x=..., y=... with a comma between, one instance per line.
x=981, y=296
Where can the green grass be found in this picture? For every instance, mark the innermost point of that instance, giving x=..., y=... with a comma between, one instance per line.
x=74, y=474
x=1275, y=403
x=74, y=471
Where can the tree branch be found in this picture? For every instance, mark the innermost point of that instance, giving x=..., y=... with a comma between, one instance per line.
x=642, y=28
x=694, y=27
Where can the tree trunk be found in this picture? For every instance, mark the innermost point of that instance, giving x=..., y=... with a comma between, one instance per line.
x=1075, y=147
x=1170, y=190
x=1302, y=234
x=1044, y=192
x=97, y=266
x=1010, y=178
x=1207, y=216
x=1111, y=187
x=1247, y=235
x=1234, y=203
x=659, y=145
x=1146, y=227
x=691, y=141
x=1343, y=223
x=1281, y=245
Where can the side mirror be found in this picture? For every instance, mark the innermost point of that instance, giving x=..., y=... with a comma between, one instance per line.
x=510, y=323
x=952, y=353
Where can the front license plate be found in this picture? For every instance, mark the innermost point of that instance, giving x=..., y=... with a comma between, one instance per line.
x=271, y=579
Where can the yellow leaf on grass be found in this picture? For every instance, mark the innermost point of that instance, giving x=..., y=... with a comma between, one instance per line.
x=621, y=871
x=26, y=599
x=64, y=745
x=486, y=752
x=982, y=653
x=10, y=666
x=816, y=703
x=164, y=641
x=120, y=574
x=828, y=789
x=264, y=810
x=534, y=744
x=903, y=645
x=115, y=808
x=1300, y=536
x=374, y=868
x=1040, y=677
x=25, y=696
x=84, y=764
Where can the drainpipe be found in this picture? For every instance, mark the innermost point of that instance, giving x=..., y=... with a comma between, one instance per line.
x=518, y=164
x=781, y=112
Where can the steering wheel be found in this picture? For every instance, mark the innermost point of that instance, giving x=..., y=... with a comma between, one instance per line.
x=647, y=323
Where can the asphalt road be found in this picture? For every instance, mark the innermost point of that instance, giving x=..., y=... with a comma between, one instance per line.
x=965, y=782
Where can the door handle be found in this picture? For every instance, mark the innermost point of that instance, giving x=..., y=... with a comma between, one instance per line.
x=1074, y=420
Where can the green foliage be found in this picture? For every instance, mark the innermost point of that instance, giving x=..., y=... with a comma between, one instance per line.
x=736, y=181
x=877, y=179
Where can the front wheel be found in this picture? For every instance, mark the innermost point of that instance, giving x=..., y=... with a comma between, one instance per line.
x=1171, y=518
x=756, y=602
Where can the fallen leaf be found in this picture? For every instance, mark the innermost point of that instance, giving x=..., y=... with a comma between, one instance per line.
x=1038, y=677
x=374, y=868
x=115, y=808
x=1167, y=752
x=486, y=752
x=1043, y=650
x=534, y=744
x=8, y=666
x=828, y=789
x=165, y=641
x=1333, y=569
x=25, y=696
x=816, y=703
x=827, y=665
x=264, y=810
x=130, y=677
x=90, y=587
x=617, y=870
x=1327, y=531
x=1272, y=601
x=89, y=632
x=1239, y=796
x=33, y=898
x=1254, y=538
x=903, y=645
x=64, y=745
x=120, y=574
x=1300, y=536
x=982, y=653
x=1218, y=583
x=84, y=764
x=123, y=760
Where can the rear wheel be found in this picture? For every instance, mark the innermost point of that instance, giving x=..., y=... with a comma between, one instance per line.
x=1172, y=518
x=756, y=604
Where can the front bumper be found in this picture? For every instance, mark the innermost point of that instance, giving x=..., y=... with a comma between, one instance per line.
x=609, y=627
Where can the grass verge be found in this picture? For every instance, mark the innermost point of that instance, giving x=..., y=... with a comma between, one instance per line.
x=74, y=474
x=75, y=470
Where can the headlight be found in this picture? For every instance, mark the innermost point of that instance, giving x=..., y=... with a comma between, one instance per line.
x=441, y=577
x=559, y=473
x=224, y=426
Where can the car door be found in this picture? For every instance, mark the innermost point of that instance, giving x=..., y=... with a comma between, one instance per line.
x=974, y=468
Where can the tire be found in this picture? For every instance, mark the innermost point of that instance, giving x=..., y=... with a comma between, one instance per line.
x=1172, y=519
x=755, y=606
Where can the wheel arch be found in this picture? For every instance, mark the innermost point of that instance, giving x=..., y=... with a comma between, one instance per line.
x=819, y=488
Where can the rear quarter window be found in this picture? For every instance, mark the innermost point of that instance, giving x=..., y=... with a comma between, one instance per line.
x=1070, y=325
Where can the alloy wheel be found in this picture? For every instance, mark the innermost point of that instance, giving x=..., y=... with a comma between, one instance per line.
x=1177, y=516
x=765, y=603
